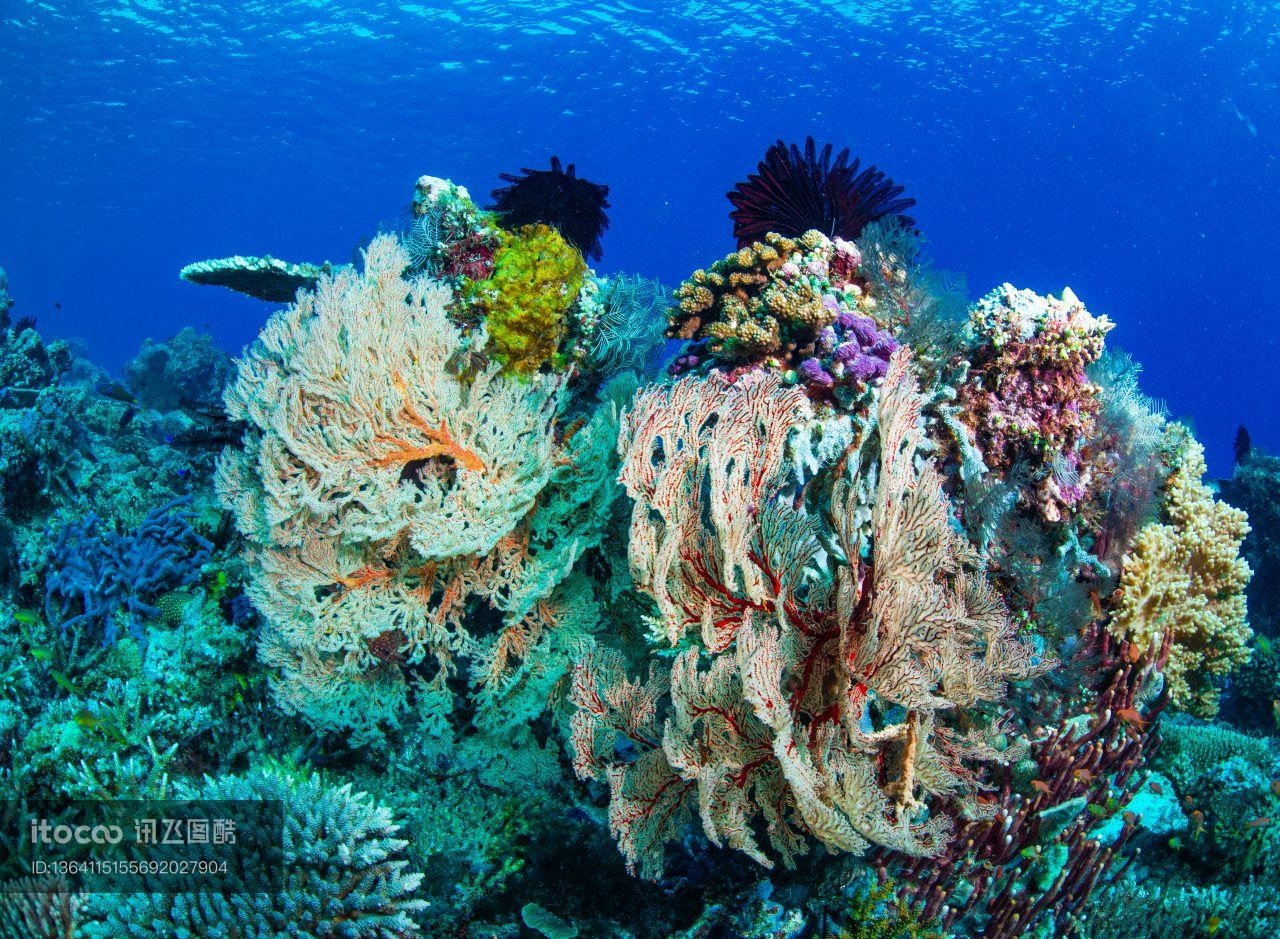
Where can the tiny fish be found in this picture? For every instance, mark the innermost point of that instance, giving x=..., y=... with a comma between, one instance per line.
x=115, y=391
x=1097, y=810
x=1083, y=775
x=1156, y=787
x=1134, y=653
x=57, y=305
x=1176, y=843
x=1213, y=924
x=1261, y=822
x=1130, y=818
x=127, y=417
x=41, y=655
x=27, y=617
x=66, y=683
x=1197, y=824
x=1275, y=787
x=1039, y=785
x=1263, y=643
x=1131, y=716
x=86, y=719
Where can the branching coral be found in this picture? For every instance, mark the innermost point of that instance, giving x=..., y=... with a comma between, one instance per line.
x=1186, y=578
x=794, y=190
x=1027, y=397
x=96, y=574
x=823, y=708
x=344, y=872
x=536, y=278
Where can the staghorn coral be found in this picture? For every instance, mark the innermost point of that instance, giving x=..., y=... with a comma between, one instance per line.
x=96, y=574
x=525, y=301
x=1185, y=578
x=1027, y=397
x=344, y=873
x=823, y=710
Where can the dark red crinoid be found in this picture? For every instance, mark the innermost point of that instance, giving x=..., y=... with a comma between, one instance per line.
x=558, y=197
x=794, y=191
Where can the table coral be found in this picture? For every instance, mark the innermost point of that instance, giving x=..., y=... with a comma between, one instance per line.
x=1186, y=576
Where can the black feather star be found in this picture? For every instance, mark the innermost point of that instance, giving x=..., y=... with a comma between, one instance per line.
x=557, y=197
x=793, y=192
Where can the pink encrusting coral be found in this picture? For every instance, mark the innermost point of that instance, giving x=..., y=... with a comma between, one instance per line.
x=1027, y=397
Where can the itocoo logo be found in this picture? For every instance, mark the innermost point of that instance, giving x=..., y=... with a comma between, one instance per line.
x=44, y=833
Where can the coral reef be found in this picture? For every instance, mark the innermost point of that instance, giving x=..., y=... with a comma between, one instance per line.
x=559, y=198
x=1186, y=579
x=264, y=278
x=185, y=370
x=878, y=614
x=794, y=191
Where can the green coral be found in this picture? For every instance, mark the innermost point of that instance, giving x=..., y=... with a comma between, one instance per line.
x=536, y=279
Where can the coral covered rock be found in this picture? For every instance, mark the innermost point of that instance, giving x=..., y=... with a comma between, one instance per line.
x=1027, y=397
x=189, y=368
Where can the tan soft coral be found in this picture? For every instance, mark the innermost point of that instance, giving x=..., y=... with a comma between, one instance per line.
x=1186, y=576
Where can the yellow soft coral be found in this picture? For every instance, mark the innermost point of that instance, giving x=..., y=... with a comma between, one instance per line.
x=1187, y=577
x=536, y=278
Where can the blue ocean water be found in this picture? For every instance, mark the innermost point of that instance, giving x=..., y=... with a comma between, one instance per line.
x=1128, y=150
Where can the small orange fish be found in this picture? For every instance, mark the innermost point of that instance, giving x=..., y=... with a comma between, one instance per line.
x=1083, y=775
x=1197, y=823
x=1130, y=818
x=1134, y=653
x=1156, y=787
x=1261, y=822
x=1131, y=716
x=1039, y=785
x=1096, y=602
x=1213, y=924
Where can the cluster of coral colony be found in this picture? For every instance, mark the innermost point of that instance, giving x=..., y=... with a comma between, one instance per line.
x=838, y=601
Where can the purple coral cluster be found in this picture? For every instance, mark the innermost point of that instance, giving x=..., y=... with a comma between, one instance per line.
x=851, y=353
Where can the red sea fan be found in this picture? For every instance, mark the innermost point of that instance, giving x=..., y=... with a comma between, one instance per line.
x=794, y=191
x=557, y=197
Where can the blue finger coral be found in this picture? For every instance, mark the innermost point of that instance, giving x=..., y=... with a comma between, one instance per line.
x=98, y=576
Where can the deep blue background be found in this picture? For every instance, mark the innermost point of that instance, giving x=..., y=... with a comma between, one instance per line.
x=1127, y=150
